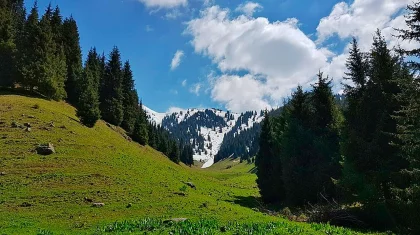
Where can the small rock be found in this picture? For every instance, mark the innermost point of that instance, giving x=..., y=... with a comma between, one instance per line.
x=45, y=149
x=2, y=173
x=129, y=205
x=4, y=137
x=63, y=127
x=98, y=204
x=51, y=124
x=28, y=129
x=175, y=220
x=180, y=193
x=27, y=124
x=31, y=116
x=26, y=204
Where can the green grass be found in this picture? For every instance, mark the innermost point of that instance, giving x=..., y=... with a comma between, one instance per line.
x=45, y=194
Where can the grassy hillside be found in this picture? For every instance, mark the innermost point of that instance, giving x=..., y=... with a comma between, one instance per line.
x=46, y=194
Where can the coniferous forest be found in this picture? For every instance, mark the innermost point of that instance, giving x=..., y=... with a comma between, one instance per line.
x=365, y=154
x=41, y=54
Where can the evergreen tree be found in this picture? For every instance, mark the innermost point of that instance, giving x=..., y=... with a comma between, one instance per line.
x=326, y=121
x=268, y=167
x=296, y=145
x=52, y=61
x=88, y=103
x=174, y=152
x=70, y=37
x=111, y=96
x=30, y=53
x=371, y=160
x=130, y=101
x=7, y=45
x=140, y=131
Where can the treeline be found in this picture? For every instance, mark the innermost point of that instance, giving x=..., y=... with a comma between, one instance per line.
x=367, y=155
x=43, y=55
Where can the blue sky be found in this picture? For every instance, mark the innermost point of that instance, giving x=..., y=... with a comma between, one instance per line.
x=234, y=55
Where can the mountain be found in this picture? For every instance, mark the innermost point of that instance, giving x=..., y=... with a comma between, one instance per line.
x=212, y=130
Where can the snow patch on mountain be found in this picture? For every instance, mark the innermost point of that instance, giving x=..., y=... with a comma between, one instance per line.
x=213, y=136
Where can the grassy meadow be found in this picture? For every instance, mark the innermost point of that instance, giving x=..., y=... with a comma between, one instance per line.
x=140, y=187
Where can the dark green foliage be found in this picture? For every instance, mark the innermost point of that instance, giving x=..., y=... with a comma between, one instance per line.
x=174, y=154
x=111, y=96
x=369, y=127
x=186, y=154
x=130, y=99
x=88, y=103
x=12, y=19
x=70, y=37
x=140, y=129
x=52, y=69
x=267, y=163
x=29, y=52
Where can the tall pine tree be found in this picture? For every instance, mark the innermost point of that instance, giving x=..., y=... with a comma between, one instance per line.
x=111, y=95
x=70, y=37
x=88, y=103
x=130, y=100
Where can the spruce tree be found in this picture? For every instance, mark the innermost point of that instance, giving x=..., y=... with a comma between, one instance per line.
x=296, y=149
x=130, y=101
x=326, y=124
x=88, y=102
x=140, y=131
x=174, y=152
x=52, y=61
x=70, y=37
x=266, y=163
x=7, y=45
x=371, y=154
x=111, y=96
x=30, y=53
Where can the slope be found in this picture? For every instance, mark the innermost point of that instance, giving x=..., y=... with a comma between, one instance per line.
x=56, y=192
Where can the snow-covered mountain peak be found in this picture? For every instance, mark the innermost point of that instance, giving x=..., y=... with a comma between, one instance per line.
x=204, y=128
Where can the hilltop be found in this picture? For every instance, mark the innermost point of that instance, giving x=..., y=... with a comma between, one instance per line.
x=54, y=194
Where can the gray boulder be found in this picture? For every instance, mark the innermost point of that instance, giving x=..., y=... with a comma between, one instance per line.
x=45, y=149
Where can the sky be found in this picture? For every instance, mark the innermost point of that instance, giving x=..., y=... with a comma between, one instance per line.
x=230, y=54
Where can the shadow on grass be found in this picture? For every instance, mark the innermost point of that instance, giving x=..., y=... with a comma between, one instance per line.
x=248, y=201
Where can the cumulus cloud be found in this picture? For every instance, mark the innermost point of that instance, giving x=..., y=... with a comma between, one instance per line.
x=176, y=61
x=278, y=52
x=228, y=89
x=164, y=3
x=249, y=8
x=184, y=83
x=277, y=56
x=361, y=19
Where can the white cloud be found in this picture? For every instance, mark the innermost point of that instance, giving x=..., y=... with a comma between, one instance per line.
x=164, y=3
x=184, y=83
x=174, y=92
x=277, y=56
x=195, y=89
x=249, y=8
x=277, y=51
x=176, y=61
x=361, y=19
x=240, y=93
